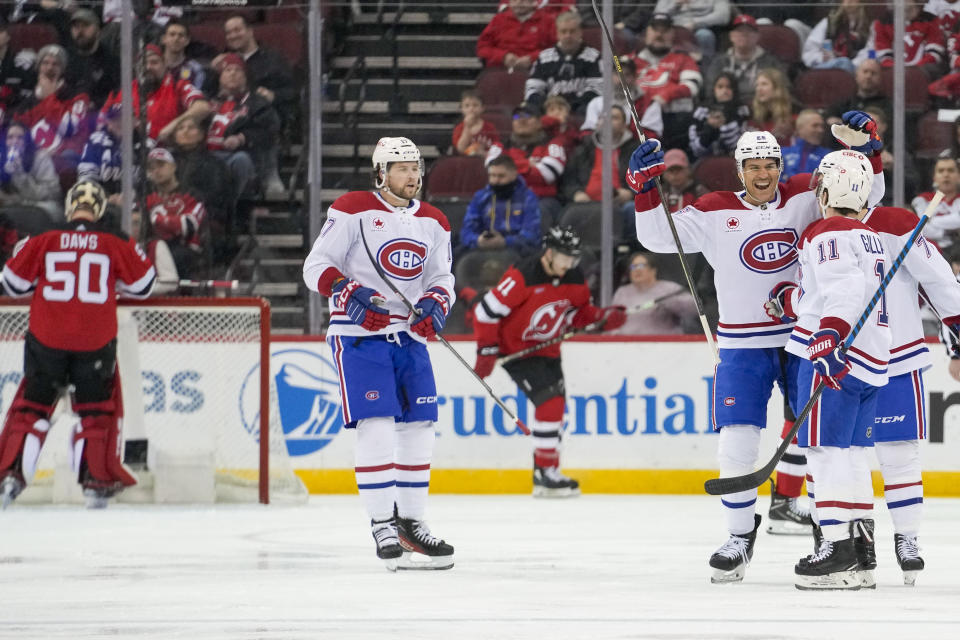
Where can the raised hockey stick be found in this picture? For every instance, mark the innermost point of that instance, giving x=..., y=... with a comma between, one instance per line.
x=663, y=199
x=650, y=304
x=566, y=335
x=416, y=312
x=734, y=484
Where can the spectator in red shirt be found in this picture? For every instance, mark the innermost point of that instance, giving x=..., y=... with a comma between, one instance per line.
x=176, y=216
x=168, y=100
x=473, y=136
x=515, y=37
x=924, y=44
x=582, y=180
x=556, y=122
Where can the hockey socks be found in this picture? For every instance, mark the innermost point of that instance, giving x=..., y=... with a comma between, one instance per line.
x=791, y=468
x=736, y=455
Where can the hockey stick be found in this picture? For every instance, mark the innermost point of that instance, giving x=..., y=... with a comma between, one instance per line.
x=953, y=334
x=593, y=326
x=416, y=312
x=735, y=484
x=663, y=199
x=650, y=304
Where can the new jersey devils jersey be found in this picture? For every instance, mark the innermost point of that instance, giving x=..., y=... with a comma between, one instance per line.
x=842, y=262
x=77, y=273
x=411, y=245
x=751, y=249
x=528, y=307
x=923, y=267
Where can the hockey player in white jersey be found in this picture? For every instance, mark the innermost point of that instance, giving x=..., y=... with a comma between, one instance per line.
x=749, y=238
x=842, y=262
x=387, y=385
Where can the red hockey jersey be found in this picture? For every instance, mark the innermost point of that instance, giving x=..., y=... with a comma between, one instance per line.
x=529, y=307
x=76, y=274
x=163, y=105
x=923, y=42
x=176, y=216
x=59, y=123
x=675, y=78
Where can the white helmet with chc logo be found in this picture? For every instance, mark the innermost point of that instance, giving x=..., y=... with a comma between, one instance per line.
x=846, y=176
x=394, y=150
x=757, y=145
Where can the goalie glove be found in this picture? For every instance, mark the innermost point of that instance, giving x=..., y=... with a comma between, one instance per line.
x=362, y=304
x=829, y=362
x=780, y=305
x=858, y=132
x=433, y=308
x=646, y=163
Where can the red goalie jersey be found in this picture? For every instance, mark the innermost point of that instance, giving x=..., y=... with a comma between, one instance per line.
x=533, y=307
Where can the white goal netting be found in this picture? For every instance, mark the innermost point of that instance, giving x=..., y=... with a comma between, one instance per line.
x=194, y=372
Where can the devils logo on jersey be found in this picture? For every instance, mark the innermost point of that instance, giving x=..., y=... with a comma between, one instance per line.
x=547, y=321
x=769, y=251
x=403, y=258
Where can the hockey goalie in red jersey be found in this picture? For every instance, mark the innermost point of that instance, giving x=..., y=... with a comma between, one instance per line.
x=75, y=274
x=534, y=302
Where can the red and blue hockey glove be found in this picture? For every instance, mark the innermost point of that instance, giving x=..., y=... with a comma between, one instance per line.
x=433, y=307
x=949, y=334
x=858, y=132
x=646, y=163
x=780, y=305
x=823, y=350
x=613, y=317
x=363, y=304
x=486, y=359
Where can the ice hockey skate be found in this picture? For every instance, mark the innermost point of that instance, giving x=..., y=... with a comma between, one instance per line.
x=834, y=567
x=786, y=516
x=97, y=497
x=549, y=482
x=10, y=488
x=730, y=561
x=864, y=545
x=908, y=557
x=388, y=544
x=422, y=549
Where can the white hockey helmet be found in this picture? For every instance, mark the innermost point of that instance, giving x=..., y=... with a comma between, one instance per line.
x=847, y=177
x=88, y=194
x=757, y=144
x=394, y=150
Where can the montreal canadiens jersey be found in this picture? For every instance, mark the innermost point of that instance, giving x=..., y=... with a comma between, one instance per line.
x=411, y=244
x=751, y=249
x=528, y=307
x=922, y=267
x=76, y=274
x=842, y=262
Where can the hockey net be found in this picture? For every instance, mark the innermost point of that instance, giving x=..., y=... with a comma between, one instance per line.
x=197, y=395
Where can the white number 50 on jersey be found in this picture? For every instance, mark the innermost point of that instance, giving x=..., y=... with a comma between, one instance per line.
x=63, y=268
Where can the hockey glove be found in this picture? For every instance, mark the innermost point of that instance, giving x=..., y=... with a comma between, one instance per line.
x=362, y=304
x=858, y=132
x=646, y=163
x=433, y=308
x=951, y=330
x=823, y=350
x=486, y=360
x=780, y=305
x=613, y=318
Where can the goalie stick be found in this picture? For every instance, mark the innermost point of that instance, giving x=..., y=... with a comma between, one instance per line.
x=416, y=312
x=663, y=200
x=735, y=484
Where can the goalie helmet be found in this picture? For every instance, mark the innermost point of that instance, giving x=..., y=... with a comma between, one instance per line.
x=86, y=193
x=755, y=145
x=564, y=239
x=394, y=150
x=847, y=177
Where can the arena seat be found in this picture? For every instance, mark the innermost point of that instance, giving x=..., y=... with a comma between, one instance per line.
x=916, y=87
x=499, y=87
x=820, y=88
x=455, y=210
x=933, y=136
x=34, y=35
x=782, y=42
x=501, y=119
x=717, y=173
x=285, y=38
x=456, y=177
x=585, y=218
x=594, y=37
x=482, y=268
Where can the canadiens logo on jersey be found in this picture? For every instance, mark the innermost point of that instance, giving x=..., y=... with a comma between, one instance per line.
x=770, y=250
x=547, y=321
x=403, y=258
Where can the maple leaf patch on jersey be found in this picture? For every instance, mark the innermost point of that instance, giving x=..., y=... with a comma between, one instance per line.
x=403, y=258
x=770, y=250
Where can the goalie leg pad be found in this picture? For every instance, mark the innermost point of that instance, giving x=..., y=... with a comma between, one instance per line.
x=97, y=443
x=25, y=427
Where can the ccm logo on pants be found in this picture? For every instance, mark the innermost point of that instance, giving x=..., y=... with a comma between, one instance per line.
x=427, y=400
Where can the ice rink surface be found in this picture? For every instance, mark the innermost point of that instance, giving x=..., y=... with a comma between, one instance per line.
x=598, y=567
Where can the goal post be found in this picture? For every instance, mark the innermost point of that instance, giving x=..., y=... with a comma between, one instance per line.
x=199, y=401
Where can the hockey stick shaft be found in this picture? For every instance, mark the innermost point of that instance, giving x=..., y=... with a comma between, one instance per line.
x=416, y=312
x=684, y=266
x=735, y=484
x=650, y=304
x=546, y=343
x=953, y=334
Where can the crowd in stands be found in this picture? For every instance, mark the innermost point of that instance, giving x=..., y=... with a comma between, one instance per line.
x=208, y=123
x=700, y=77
